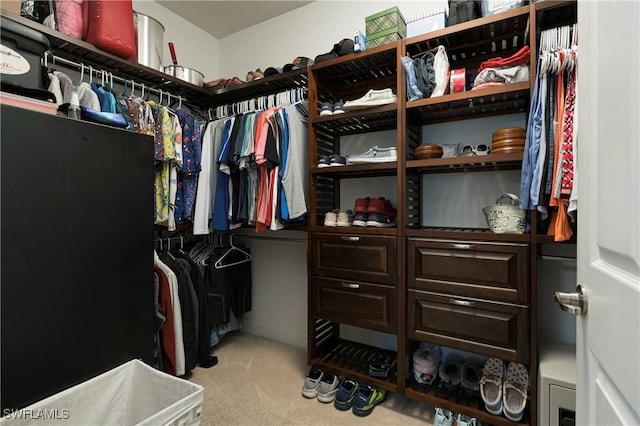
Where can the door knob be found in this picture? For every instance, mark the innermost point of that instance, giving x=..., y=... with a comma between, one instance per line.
x=574, y=303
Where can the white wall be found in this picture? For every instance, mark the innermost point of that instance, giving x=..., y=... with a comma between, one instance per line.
x=195, y=48
x=307, y=31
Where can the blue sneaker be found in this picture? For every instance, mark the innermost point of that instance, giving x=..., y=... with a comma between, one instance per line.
x=346, y=392
x=366, y=399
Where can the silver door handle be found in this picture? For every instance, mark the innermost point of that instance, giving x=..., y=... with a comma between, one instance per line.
x=574, y=303
x=461, y=302
x=350, y=285
x=463, y=246
x=350, y=238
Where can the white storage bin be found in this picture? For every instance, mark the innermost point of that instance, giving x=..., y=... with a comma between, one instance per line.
x=131, y=394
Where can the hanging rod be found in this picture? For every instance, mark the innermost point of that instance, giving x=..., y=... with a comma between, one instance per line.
x=260, y=103
x=99, y=72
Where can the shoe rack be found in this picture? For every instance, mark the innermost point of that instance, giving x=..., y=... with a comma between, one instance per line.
x=461, y=288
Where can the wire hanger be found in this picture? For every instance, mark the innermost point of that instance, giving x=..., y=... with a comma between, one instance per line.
x=219, y=263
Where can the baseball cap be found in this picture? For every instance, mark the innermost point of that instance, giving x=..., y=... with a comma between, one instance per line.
x=298, y=63
x=271, y=71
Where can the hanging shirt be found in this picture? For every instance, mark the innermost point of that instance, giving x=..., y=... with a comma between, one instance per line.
x=295, y=176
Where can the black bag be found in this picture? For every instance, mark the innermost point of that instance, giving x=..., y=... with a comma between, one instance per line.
x=341, y=48
x=425, y=74
x=463, y=11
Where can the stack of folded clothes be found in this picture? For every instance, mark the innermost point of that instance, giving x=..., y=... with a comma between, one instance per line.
x=500, y=71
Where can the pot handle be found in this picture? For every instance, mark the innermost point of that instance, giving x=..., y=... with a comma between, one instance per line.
x=173, y=53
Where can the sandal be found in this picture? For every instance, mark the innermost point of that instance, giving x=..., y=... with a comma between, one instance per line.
x=514, y=391
x=491, y=385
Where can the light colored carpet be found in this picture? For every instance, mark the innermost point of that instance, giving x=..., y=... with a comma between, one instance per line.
x=259, y=382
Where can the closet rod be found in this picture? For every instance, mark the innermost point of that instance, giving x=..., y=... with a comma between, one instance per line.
x=97, y=72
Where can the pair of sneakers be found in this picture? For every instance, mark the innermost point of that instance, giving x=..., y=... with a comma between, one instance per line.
x=359, y=397
x=456, y=371
x=320, y=384
x=449, y=418
x=504, y=392
x=328, y=108
x=332, y=160
x=375, y=212
x=373, y=98
x=337, y=217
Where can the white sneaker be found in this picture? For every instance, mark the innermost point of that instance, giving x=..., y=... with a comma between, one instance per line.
x=312, y=382
x=374, y=155
x=328, y=387
x=371, y=99
x=331, y=218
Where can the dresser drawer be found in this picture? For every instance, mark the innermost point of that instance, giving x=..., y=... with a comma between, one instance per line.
x=487, y=328
x=360, y=258
x=496, y=271
x=371, y=306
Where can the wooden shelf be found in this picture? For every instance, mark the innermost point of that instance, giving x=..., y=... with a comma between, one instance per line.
x=465, y=234
x=459, y=402
x=358, y=170
x=347, y=358
x=360, y=121
x=492, y=101
x=491, y=162
x=354, y=230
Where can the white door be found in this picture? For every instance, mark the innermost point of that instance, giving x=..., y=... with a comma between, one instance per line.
x=608, y=336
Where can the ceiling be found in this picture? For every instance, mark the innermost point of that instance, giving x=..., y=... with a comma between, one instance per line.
x=221, y=18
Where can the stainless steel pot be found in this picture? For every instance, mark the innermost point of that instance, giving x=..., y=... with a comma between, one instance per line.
x=187, y=74
x=150, y=40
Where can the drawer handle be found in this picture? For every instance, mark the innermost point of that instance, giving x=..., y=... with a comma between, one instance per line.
x=350, y=285
x=464, y=246
x=350, y=238
x=462, y=302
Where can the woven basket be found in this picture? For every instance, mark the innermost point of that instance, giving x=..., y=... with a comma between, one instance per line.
x=505, y=218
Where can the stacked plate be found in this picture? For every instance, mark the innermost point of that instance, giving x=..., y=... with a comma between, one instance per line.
x=428, y=151
x=508, y=140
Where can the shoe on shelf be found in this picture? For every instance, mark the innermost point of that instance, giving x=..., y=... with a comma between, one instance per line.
x=250, y=76
x=471, y=375
x=345, y=394
x=345, y=218
x=491, y=385
x=331, y=218
x=374, y=155
x=381, y=206
x=380, y=221
x=337, y=160
x=328, y=387
x=323, y=161
x=360, y=219
x=258, y=74
x=371, y=99
x=462, y=420
x=367, y=397
x=326, y=108
x=451, y=371
x=443, y=417
x=514, y=391
x=361, y=205
x=312, y=382
x=426, y=361
x=338, y=107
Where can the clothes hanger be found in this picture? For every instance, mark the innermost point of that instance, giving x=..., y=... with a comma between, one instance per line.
x=220, y=264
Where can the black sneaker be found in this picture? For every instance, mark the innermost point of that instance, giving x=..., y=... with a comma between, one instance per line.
x=346, y=392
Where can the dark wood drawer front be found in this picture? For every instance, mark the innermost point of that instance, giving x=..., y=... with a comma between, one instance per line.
x=361, y=258
x=492, y=329
x=371, y=306
x=496, y=271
